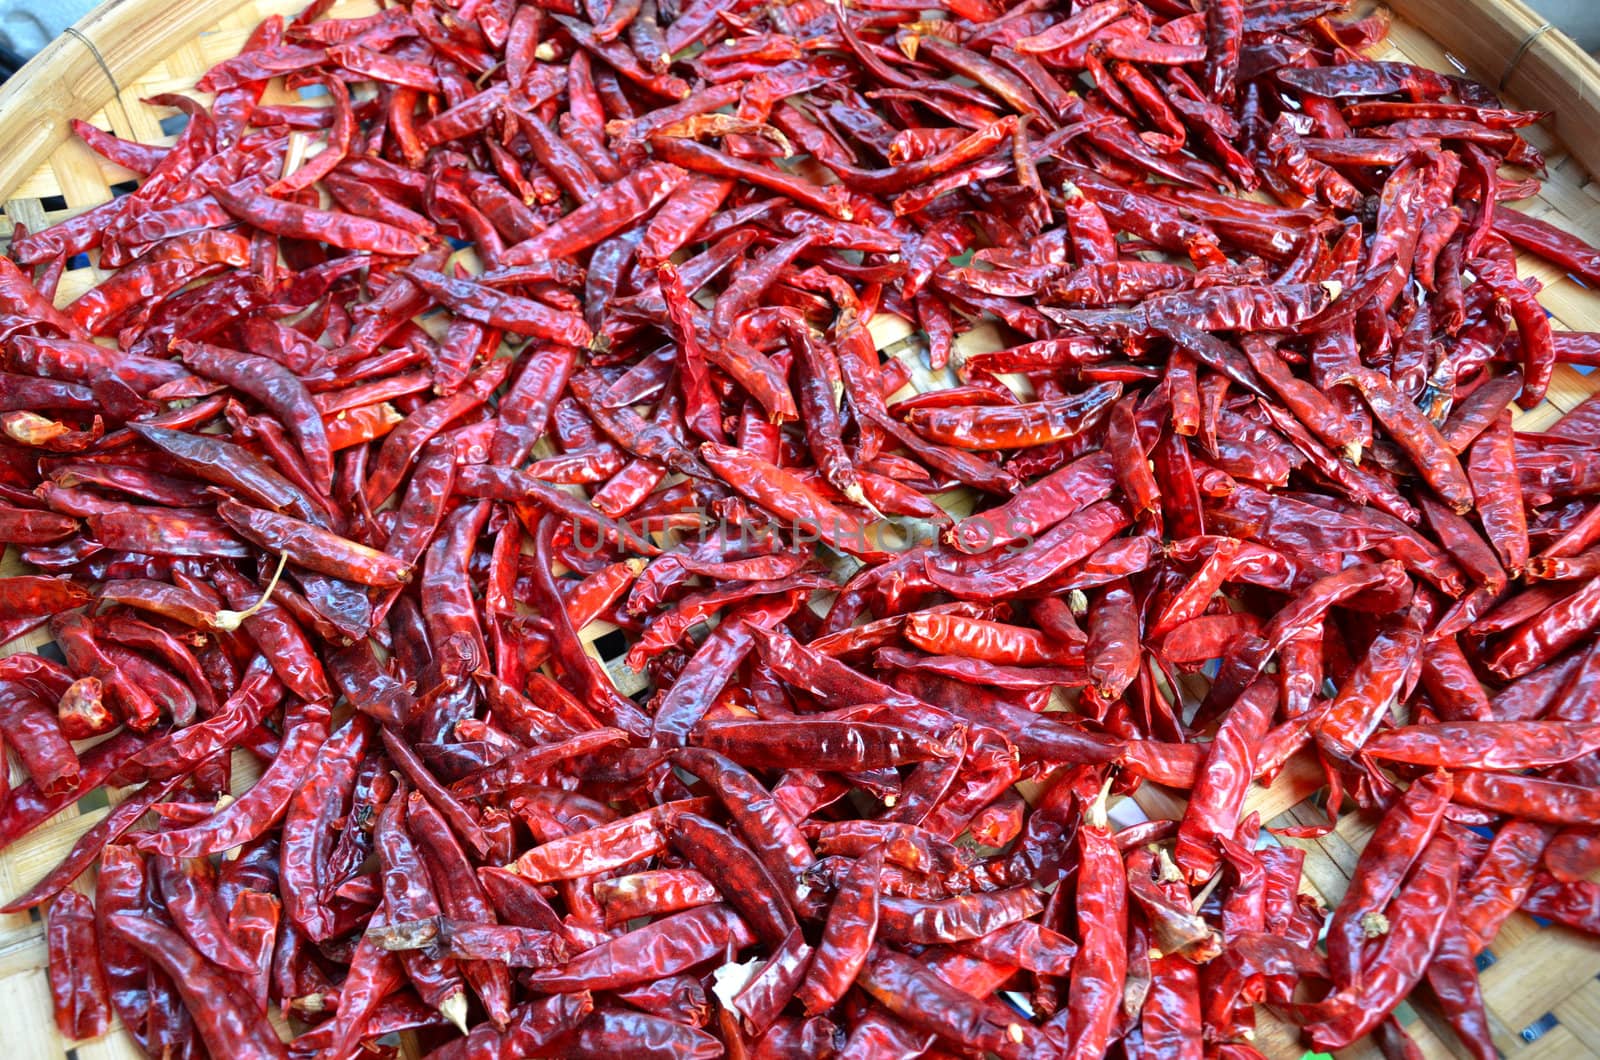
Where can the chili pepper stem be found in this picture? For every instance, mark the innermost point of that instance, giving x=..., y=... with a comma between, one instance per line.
x=859, y=498
x=1170, y=873
x=1096, y=815
x=228, y=621
x=454, y=1009
x=1205, y=892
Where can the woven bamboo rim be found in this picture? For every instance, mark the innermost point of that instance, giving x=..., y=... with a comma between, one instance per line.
x=1542, y=986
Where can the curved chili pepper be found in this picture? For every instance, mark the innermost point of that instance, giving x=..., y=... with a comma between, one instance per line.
x=277, y=389
x=33, y=731
x=536, y=1025
x=776, y=490
x=520, y=316
x=763, y=822
x=188, y=890
x=925, y=1001
x=663, y=947
x=223, y=1015
x=903, y=920
x=1009, y=427
x=1554, y=629
x=1418, y=917
x=736, y=871
x=250, y=203
x=460, y=896
x=374, y=974
x=1218, y=796
x=612, y=845
x=952, y=634
x=308, y=820
x=1496, y=888
x=313, y=547
x=1401, y=836
x=847, y=936
x=1038, y=506
x=1452, y=978
x=260, y=807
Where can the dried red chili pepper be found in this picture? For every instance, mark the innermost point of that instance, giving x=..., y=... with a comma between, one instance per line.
x=925, y=1001
x=374, y=974
x=1099, y=969
x=806, y=743
x=1401, y=836
x=250, y=816
x=574, y=139
x=536, y=1025
x=460, y=896
x=612, y=845
x=1416, y=921
x=223, y=1014
x=77, y=979
x=645, y=954
x=1501, y=879
x=409, y=895
x=313, y=547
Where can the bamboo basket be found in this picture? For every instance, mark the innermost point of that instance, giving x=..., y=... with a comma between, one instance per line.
x=1541, y=983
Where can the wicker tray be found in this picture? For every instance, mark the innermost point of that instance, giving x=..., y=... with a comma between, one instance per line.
x=1542, y=984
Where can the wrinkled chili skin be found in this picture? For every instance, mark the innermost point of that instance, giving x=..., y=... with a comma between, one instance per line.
x=1403, y=833
x=847, y=937
x=222, y=1015
x=1419, y=914
x=280, y=391
x=596, y=354
x=1452, y=979
x=77, y=979
x=646, y=954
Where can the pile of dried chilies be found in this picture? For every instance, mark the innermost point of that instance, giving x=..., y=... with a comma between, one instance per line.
x=301, y=484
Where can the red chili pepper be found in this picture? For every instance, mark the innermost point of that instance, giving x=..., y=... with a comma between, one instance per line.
x=1170, y=466
x=250, y=203
x=308, y=821
x=374, y=974
x=536, y=1025
x=653, y=893
x=460, y=896
x=77, y=979
x=259, y=809
x=1416, y=921
x=928, y=1003
x=313, y=547
x=1218, y=797
x=521, y=316
x=845, y=746
x=1549, y=242
x=776, y=490
x=223, y=1014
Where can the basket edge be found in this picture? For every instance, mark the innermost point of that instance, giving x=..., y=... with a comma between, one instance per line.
x=1540, y=66
x=1522, y=55
x=67, y=79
